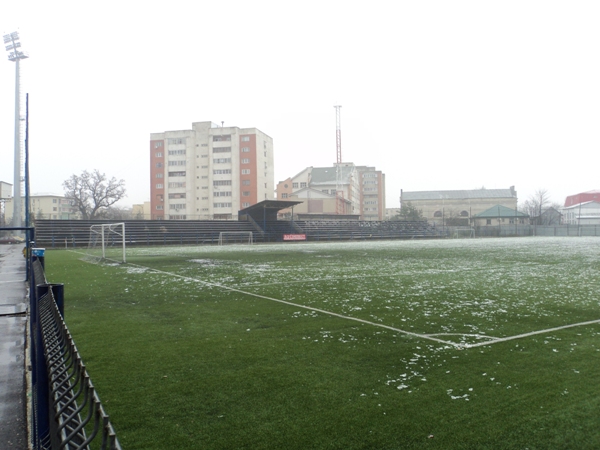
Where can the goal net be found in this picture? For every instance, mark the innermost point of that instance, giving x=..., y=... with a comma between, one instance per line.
x=235, y=237
x=107, y=241
x=462, y=233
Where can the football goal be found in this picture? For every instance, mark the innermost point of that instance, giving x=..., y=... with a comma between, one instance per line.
x=461, y=233
x=107, y=241
x=235, y=237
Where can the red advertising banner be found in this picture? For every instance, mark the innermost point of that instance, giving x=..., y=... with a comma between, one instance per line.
x=294, y=237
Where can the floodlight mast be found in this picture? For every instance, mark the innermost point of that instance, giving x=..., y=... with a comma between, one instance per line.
x=16, y=55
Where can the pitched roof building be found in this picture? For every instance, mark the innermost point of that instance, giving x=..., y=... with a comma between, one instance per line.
x=458, y=206
x=361, y=191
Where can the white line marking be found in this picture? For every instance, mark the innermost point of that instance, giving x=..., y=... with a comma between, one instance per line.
x=341, y=316
x=482, y=336
x=408, y=333
x=532, y=333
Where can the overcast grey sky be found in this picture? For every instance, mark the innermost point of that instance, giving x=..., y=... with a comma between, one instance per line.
x=437, y=94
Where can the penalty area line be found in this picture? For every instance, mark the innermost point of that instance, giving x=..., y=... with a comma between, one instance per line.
x=532, y=333
x=297, y=305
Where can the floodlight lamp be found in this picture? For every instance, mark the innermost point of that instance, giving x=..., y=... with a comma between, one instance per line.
x=14, y=36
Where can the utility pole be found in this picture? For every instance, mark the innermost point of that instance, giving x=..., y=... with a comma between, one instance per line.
x=12, y=46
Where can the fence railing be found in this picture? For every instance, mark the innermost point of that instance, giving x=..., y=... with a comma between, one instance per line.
x=67, y=412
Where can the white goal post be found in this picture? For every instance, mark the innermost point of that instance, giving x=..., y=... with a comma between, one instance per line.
x=235, y=237
x=108, y=239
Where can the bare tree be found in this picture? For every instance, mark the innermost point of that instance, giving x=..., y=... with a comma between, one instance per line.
x=535, y=205
x=92, y=193
x=115, y=213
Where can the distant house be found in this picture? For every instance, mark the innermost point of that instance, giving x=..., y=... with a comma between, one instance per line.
x=499, y=215
x=46, y=206
x=460, y=206
x=318, y=202
x=550, y=216
x=587, y=213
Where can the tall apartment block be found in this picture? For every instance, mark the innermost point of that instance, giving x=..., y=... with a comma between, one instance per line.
x=209, y=172
x=362, y=190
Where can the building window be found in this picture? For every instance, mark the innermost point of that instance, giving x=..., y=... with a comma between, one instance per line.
x=294, y=185
x=222, y=138
x=245, y=171
x=222, y=150
x=221, y=160
x=159, y=207
x=158, y=154
x=175, y=141
x=246, y=194
x=245, y=149
x=221, y=205
x=177, y=185
x=245, y=138
x=284, y=195
x=245, y=205
x=303, y=184
x=221, y=171
x=159, y=175
x=177, y=174
x=159, y=186
x=177, y=163
x=176, y=152
x=158, y=144
x=221, y=182
x=180, y=195
x=177, y=206
x=245, y=160
x=222, y=194
x=488, y=221
x=245, y=182
x=159, y=164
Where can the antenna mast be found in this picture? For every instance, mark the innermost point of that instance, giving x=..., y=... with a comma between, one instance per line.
x=338, y=134
x=339, y=191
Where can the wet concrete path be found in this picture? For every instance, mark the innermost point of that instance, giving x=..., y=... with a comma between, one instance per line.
x=13, y=321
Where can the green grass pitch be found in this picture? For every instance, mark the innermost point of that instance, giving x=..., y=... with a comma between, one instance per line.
x=455, y=344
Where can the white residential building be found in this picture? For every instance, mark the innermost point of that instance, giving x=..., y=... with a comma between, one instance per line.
x=209, y=172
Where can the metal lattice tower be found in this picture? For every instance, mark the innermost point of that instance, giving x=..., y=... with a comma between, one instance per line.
x=339, y=191
x=12, y=46
x=338, y=134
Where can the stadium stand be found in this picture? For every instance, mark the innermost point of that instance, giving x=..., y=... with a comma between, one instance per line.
x=76, y=233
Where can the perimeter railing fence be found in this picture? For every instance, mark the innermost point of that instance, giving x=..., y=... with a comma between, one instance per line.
x=66, y=410
x=514, y=230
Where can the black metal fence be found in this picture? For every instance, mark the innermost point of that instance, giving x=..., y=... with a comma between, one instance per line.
x=515, y=230
x=67, y=412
